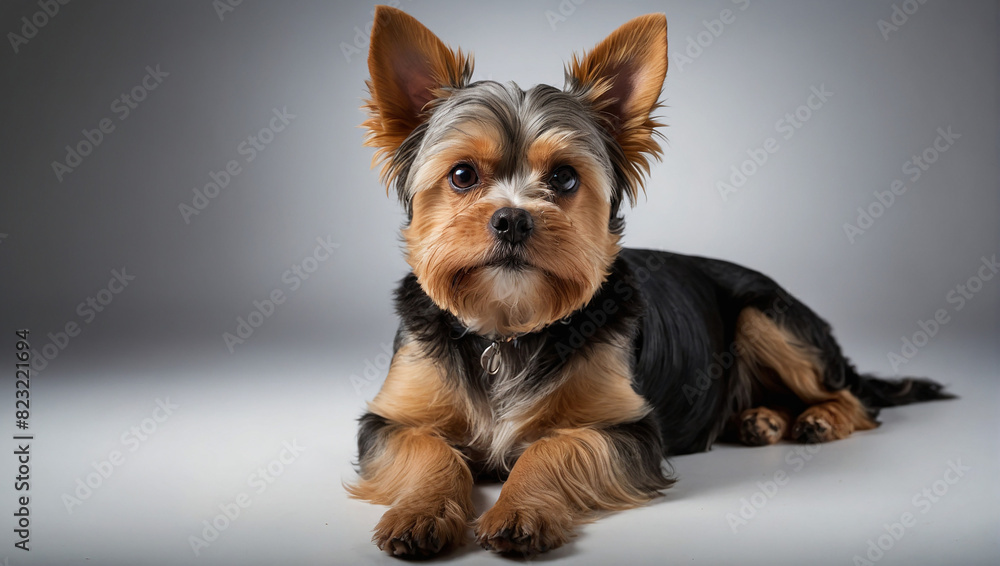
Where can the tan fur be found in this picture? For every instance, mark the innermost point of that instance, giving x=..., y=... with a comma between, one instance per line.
x=413, y=461
x=429, y=487
x=598, y=391
x=566, y=469
x=469, y=142
x=558, y=482
x=769, y=352
x=624, y=75
x=564, y=466
x=449, y=242
x=415, y=394
x=554, y=148
x=409, y=67
x=417, y=471
x=761, y=425
x=595, y=392
x=833, y=420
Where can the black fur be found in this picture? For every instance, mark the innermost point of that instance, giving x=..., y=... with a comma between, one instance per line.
x=372, y=431
x=875, y=392
x=673, y=318
x=680, y=313
x=639, y=450
x=614, y=311
x=692, y=307
x=541, y=353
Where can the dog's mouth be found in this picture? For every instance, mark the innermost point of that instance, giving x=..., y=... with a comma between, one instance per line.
x=512, y=262
x=507, y=257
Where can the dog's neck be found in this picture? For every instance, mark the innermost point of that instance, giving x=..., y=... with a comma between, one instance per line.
x=613, y=311
x=492, y=358
x=460, y=329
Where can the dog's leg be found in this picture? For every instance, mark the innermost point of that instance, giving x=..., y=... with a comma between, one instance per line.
x=599, y=447
x=781, y=361
x=427, y=485
x=560, y=480
x=405, y=462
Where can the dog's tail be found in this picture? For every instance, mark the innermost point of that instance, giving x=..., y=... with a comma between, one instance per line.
x=877, y=392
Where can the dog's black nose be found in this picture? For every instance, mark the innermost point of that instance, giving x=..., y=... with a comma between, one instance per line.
x=513, y=225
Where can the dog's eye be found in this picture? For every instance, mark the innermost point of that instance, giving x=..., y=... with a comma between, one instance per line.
x=564, y=179
x=463, y=177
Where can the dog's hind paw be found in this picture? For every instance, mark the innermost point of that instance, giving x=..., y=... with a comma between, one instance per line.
x=761, y=426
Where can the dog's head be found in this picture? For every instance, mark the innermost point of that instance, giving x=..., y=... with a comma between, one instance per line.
x=513, y=196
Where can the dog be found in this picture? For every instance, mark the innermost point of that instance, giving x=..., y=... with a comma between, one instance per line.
x=535, y=350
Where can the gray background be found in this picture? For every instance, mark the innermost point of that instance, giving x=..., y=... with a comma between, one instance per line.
x=305, y=373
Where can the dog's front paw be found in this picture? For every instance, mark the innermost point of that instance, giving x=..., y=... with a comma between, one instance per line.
x=420, y=530
x=522, y=532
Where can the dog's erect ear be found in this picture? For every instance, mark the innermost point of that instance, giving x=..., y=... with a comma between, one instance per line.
x=409, y=68
x=622, y=77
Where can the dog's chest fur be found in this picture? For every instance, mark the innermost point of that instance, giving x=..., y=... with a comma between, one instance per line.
x=553, y=378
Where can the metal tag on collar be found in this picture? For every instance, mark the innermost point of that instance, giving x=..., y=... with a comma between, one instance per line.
x=490, y=360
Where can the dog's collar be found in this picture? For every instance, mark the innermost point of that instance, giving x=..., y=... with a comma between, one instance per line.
x=491, y=359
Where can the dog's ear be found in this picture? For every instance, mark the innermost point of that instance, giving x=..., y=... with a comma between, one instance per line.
x=409, y=67
x=622, y=77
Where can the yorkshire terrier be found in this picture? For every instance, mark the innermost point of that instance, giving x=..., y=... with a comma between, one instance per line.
x=532, y=347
